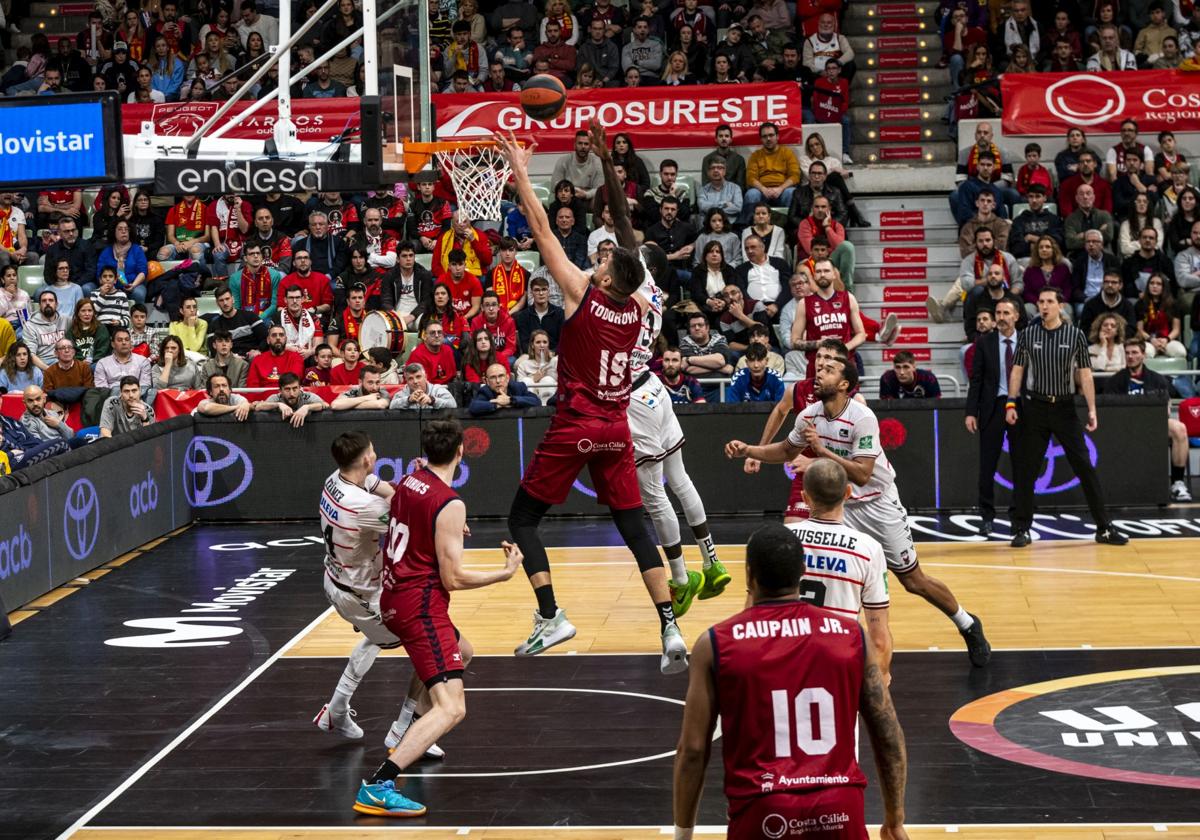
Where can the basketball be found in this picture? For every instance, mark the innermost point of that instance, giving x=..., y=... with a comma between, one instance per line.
x=543, y=97
x=153, y=269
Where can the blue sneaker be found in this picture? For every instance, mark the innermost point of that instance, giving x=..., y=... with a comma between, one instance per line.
x=383, y=800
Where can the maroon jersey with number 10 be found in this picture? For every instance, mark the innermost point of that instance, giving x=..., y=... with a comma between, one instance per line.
x=788, y=679
x=826, y=319
x=593, y=356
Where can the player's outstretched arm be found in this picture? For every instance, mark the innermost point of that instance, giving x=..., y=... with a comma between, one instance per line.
x=695, y=737
x=572, y=281
x=779, y=452
x=887, y=743
x=449, y=529
x=617, y=205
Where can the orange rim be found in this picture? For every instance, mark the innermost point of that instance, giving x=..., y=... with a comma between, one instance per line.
x=418, y=155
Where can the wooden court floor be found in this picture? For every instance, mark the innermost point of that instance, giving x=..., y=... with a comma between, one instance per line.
x=1056, y=595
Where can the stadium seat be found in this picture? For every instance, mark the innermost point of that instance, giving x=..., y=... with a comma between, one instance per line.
x=30, y=278
x=543, y=192
x=1166, y=365
x=425, y=260
x=207, y=305
x=531, y=260
x=1018, y=209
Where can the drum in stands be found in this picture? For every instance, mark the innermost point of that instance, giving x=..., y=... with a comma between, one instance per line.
x=382, y=328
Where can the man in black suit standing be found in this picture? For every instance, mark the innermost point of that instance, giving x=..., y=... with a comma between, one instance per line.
x=986, y=397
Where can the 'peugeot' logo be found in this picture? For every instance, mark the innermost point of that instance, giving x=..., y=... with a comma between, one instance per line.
x=81, y=519
x=1078, y=86
x=206, y=459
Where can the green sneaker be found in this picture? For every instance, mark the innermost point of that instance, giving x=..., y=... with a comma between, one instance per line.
x=715, y=581
x=682, y=594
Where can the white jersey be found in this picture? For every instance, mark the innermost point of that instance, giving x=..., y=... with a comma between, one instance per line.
x=652, y=323
x=352, y=520
x=852, y=434
x=844, y=569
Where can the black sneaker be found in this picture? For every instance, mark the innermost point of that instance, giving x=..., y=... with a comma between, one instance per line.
x=978, y=649
x=1111, y=536
x=1021, y=539
x=985, y=527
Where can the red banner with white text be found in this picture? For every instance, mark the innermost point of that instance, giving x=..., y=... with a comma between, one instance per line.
x=317, y=120
x=1052, y=103
x=661, y=117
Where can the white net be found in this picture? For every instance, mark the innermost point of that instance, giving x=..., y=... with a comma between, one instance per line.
x=479, y=174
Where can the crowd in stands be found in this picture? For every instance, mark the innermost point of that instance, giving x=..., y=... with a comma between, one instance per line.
x=983, y=41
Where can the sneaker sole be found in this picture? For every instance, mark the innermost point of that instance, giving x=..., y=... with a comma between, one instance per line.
x=384, y=812
x=677, y=663
x=546, y=647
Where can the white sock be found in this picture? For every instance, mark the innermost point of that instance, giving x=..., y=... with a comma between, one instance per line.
x=361, y=659
x=678, y=569
x=961, y=620
x=708, y=549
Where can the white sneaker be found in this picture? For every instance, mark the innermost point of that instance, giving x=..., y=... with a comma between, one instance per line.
x=1179, y=492
x=547, y=632
x=343, y=725
x=396, y=735
x=675, y=653
x=846, y=159
x=890, y=329
x=937, y=312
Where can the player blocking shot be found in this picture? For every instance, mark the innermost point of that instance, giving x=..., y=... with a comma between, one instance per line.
x=657, y=437
x=354, y=515
x=788, y=681
x=590, y=427
x=845, y=431
x=423, y=564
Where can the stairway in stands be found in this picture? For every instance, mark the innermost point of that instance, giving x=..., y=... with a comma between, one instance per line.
x=909, y=252
x=902, y=149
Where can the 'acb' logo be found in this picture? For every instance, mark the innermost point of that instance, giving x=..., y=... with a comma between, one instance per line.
x=16, y=554
x=143, y=496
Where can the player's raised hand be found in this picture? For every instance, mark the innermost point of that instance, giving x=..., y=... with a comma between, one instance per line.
x=512, y=557
x=599, y=147
x=737, y=449
x=516, y=155
x=751, y=466
x=812, y=438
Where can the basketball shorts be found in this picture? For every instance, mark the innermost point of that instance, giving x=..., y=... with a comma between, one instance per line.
x=885, y=519
x=362, y=613
x=828, y=813
x=573, y=442
x=420, y=617
x=797, y=508
x=652, y=423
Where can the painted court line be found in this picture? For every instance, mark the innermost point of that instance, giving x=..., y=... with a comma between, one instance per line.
x=544, y=829
x=186, y=733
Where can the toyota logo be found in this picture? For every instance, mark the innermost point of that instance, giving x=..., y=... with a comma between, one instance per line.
x=81, y=519
x=208, y=458
x=1044, y=484
x=1077, y=87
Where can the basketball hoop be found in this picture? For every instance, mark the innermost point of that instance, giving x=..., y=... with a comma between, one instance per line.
x=476, y=168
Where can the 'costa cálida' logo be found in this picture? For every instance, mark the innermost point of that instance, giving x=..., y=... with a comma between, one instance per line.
x=1139, y=726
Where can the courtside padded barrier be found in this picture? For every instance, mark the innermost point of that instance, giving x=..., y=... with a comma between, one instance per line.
x=80, y=510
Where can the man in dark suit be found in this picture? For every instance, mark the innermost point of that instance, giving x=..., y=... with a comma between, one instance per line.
x=986, y=397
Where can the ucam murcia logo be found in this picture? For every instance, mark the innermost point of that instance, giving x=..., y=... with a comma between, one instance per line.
x=204, y=622
x=1073, y=86
x=1139, y=726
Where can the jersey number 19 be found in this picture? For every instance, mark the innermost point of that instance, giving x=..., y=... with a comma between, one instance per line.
x=612, y=368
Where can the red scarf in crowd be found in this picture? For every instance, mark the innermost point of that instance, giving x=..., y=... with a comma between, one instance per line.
x=982, y=267
x=256, y=290
x=973, y=161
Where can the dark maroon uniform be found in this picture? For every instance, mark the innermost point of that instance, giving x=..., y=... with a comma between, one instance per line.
x=826, y=319
x=414, y=603
x=788, y=678
x=802, y=398
x=590, y=426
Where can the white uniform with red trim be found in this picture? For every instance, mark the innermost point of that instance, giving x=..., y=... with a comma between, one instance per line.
x=652, y=424
x=352, y=521
x=875, y=507
x=844, y=569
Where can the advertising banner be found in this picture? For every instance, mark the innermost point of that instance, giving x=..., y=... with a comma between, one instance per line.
x=657, y=117
x=317, y=120
x=1051, y=103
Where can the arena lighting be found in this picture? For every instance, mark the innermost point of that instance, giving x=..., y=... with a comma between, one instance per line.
x=870, y=80
x=924, y=78
x=870, y=62
x=871, y=135
x=871, y=116
x=870, y=27
x=928, y=132
x=870, y=45
x=870, y=97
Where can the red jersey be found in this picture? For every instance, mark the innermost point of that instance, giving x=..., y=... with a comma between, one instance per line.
x=440, y=368
x=803, y=395
x=593, y=356
x=409, y=553
x=826, y=319
x=341, y=217
x=462, y=291
x=342, y=375
x=266, y=368
x=503, y=332
x=318, y=291
x=788, y=679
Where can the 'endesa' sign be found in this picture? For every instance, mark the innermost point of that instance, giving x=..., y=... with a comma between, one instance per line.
x=661, y=117
x=1052, y=103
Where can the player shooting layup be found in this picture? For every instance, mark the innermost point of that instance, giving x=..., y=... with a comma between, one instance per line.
x=590, y=428
x=847, y=432
x=788, y=680
x=354, y=513
x=657, y=438
x=423, y=563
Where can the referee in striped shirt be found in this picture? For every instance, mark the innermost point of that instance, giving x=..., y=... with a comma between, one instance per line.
x=1051, y=357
